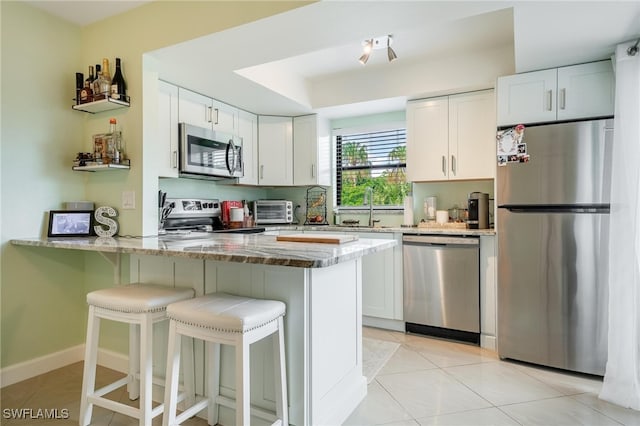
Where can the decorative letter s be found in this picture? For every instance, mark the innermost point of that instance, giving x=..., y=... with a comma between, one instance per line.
x=100, y=216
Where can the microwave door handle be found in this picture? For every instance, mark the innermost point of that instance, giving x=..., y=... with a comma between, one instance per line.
x=230, y=148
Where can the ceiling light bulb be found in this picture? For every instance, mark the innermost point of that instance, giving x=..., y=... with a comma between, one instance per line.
x=364, y=58
x=368, y=45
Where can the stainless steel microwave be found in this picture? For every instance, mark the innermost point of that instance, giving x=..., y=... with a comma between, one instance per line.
x=272, y=211
x=205, y=153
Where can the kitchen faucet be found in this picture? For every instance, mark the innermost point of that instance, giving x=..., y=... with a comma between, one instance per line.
x=368, y=195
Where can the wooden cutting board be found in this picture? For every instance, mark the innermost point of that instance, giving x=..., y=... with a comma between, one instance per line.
x=324, y=239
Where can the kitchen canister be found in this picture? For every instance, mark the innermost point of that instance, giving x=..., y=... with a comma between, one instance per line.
x=442, y=216
x=430, y=208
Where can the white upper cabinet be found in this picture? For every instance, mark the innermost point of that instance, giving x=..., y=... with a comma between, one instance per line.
x=472, y=132
x=586, y=90
x=451, y=137
x=427, y=139
x=527, y=98
x=275, y=150
x=567, y=93
x=167, y=130
x=203, y=111
x=311, y=151
x=248, y=131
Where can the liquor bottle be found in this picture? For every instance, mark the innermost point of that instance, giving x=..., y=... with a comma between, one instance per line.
x=91, y=76
x=86, y=94
x=95, y=85
x=118, y=85
x=103, y=82
x=79, y=86
x=114, y=142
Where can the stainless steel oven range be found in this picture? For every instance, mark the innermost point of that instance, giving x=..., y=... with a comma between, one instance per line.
x=190, y=217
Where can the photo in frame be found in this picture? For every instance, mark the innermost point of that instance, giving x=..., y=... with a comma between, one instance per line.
x=70, y=223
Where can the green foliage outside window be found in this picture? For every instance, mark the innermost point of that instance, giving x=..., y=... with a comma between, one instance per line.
x=387, y=178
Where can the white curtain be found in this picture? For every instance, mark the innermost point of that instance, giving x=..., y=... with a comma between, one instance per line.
x=622, y=377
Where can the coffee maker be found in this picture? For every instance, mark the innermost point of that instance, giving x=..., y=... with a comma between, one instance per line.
x=478, y=210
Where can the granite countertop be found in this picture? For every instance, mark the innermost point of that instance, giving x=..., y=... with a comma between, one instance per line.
x=385, y=229
x=242, y=248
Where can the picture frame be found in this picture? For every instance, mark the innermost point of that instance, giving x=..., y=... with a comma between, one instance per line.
x=70, y=223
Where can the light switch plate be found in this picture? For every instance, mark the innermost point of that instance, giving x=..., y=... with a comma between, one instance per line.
x=128, y=200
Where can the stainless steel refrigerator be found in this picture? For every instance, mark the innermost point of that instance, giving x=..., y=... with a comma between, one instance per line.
x=553, y=237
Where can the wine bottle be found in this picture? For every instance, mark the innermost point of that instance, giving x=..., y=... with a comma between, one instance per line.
x=118, y=86
x=90, y=77
x=105, y=71
x=79, y=86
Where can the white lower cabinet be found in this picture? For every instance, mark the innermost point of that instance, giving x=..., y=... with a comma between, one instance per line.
x=382, y=287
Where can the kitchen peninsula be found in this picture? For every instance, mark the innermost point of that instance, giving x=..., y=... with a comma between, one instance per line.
x=321, y=285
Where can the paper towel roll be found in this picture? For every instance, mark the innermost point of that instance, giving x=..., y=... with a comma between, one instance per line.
x=408, y=210
x=442, y=216
x=236, y=214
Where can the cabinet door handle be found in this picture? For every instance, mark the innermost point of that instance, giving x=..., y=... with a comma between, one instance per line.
x=563, y=98
x=313, y=170
x=208, y=114
x=453, y=164
x=261, y=171
x=174, y=160
x=217, y=116
x=549, y=100
x=444, y=165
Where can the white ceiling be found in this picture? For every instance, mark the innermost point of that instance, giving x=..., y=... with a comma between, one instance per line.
x=306, y=60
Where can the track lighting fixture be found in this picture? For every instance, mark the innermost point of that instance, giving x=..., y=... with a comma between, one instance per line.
x=377, y=43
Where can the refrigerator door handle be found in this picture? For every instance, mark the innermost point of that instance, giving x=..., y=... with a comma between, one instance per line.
x=556, y=208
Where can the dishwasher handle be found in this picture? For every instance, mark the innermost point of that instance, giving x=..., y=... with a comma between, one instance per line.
x=441, y=240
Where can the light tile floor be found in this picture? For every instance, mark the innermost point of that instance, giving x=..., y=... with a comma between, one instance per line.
x=436, y=382
x=426, y=382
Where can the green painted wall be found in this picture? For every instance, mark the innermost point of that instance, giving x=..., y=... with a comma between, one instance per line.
x=42, y=296
x=42, y=291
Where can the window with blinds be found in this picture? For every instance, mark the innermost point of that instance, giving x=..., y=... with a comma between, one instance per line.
x=373, y=159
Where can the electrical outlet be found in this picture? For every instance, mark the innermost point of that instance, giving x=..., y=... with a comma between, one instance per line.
x=128, y=200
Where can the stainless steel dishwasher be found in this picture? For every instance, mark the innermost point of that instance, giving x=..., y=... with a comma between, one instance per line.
x=442, y=286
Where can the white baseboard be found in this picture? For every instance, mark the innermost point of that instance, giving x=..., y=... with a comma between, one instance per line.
x=34, y=367
x=488, y=342
x=113, y=360
x=386, y=324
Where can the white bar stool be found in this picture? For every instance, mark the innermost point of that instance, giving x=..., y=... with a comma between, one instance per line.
x=220, y=318
x=140, y=306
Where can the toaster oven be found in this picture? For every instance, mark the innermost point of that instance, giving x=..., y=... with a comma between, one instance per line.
x=272, y=211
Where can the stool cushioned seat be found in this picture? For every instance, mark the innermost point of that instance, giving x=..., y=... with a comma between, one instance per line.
x=137, y=298
x=225, y=312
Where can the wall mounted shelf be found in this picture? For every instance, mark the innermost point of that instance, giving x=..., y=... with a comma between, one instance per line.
x=107, y=104
x=126, y=165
